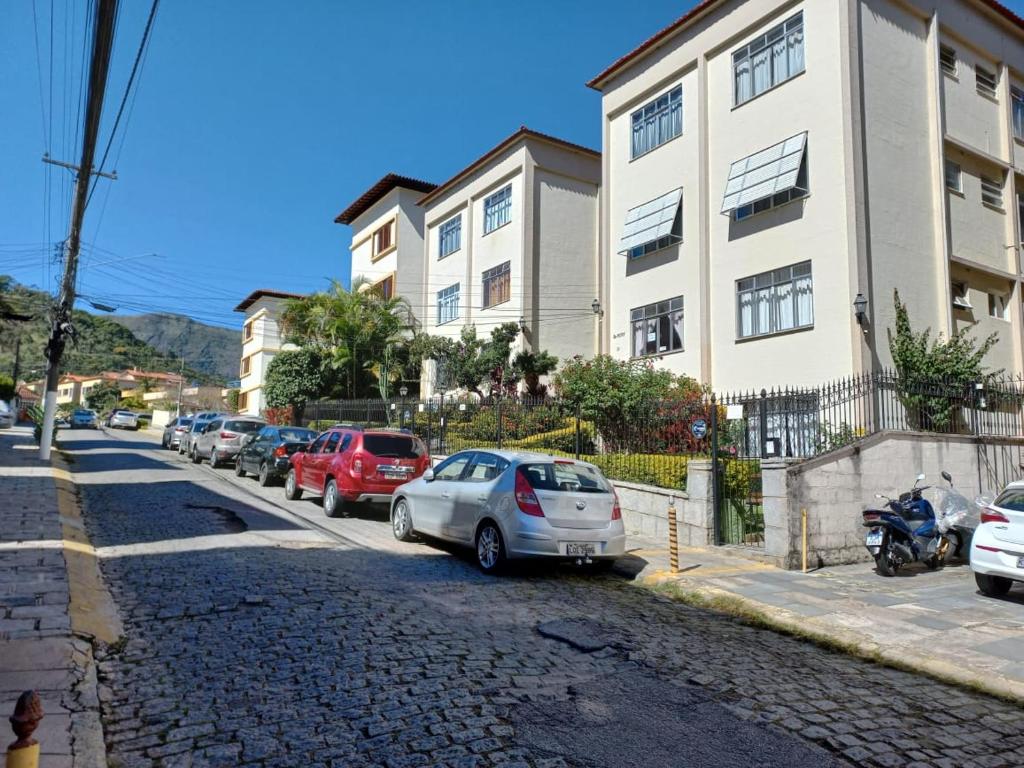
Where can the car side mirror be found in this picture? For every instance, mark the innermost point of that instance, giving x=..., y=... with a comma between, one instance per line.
x=428, y=476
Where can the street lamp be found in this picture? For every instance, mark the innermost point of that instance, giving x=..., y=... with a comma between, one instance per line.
x=860, y=310
x=403, y=391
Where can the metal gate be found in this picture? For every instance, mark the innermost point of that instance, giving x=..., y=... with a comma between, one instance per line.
x=739, y=436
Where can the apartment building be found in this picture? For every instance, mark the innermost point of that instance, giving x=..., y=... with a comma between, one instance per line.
x=387, y=236
x=261, y=342
x=767, y=162
x=513, y=238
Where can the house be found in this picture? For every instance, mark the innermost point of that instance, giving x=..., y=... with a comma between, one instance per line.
x=387, y=237
x=261, y=341
x=766, y=164
x=69, y=389
x=512, y=237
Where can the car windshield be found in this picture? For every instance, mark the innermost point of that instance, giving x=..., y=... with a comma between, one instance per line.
x=568, y=476
x=297, y=435
x=393, y=446
x=184, y=422
x=1011, y=499
x=244, y=426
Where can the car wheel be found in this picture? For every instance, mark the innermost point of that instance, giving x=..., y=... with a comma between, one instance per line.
x=334, y=505
x=264, y=475
x=401, y=521
x=214, y=458
x=239, y=469
x=196, y=458
x=490, y=549
x=993, y=586
x=291, y=487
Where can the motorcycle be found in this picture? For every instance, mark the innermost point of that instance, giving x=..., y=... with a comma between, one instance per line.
x=907, y=531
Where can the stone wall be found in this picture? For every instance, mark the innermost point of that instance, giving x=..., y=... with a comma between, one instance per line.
x=645, y=508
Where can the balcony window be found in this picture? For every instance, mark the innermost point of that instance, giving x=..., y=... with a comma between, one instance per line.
x=657, y=122
x=497, y=288
x=658, y=328
x=771, y=59
x=776, y=301
x=498, y=209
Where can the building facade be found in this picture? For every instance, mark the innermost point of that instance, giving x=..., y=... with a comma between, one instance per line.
x=766, y=162
x=513, y=238
x=262, y=340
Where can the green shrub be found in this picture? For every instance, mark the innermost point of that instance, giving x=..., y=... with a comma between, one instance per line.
x=661, y=470
x=562, y=440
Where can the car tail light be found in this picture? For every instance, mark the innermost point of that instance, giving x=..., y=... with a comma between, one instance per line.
x=357, y=465
x=616, y=509
x=990, y=515
x=228, y=435
x=525, y=497
x=280, y=451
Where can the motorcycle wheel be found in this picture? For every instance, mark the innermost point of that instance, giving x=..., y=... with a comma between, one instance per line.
x=884, y=564
x=933, y=562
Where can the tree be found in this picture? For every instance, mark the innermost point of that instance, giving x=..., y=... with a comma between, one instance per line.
x=922, y=362
x=471, y=362
x=103, y=397
x=530, y=366
x=232, y=400
x=6, y=387
x=293, y=379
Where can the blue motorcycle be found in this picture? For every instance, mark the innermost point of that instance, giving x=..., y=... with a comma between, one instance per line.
x=905, y=531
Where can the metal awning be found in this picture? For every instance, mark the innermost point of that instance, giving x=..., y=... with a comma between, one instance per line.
x=651, y=221
x=764, y=173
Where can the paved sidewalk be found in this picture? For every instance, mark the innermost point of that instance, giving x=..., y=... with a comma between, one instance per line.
x=37, y=648
x=933, y=621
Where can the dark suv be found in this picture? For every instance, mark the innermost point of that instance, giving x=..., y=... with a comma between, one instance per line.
x=347, y=465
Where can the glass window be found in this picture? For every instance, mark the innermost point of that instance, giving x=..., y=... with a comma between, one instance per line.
x=776, y=301
x=771, y=59
x=393, y=446
x=947, y=59
x=998, y=306
x=1017, y=101
x=346, y=441
x=385, y=288
x=497, y=284
x=986, y=81
x=953, y=178
x=319, y=443
x=564, y=476
x=1011, y=499
x=448, y=304
x=658, y=328
x=452, y=467
x=450, y=236
x=657, y=122
x=332, y=443
x=244, y=427
x=991, y=192
x=798, y=191
x=383, y=238
x=486, y=467
x=1020, y=216
x=498, y=209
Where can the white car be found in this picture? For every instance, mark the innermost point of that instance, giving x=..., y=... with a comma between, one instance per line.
x=997, y=548
x=124, y=420
x=6, y=415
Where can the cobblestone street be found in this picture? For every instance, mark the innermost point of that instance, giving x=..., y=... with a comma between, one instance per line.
x=254, y=639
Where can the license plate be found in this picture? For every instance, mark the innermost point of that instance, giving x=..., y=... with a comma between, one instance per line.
x=580, y=549
x=393, y=474
x=873, y=539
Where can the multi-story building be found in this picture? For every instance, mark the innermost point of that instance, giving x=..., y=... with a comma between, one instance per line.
x=513, y=238
x=261, y=342
x=767, y=162
x=387, y=236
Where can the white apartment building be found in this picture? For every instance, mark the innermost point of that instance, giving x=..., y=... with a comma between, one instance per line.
x=513, y=238
x=387, y=237
x=766, y=162
x=261, y=341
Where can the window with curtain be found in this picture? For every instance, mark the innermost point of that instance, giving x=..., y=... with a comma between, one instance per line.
x=450, y=236
x=498, y=284
x=658, y=328
x=776, y=301
x=448, y=304
x=657, y=122
x=1017, y=100
x=498, y=209
x=953, y=177
x=769, y=60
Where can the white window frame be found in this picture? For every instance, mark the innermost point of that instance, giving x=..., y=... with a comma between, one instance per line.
x=647, y=320
x=1017, y=112
x=498, y=209
x=797, y=192
x=449, y=237
x=948, y=60
x=656, y=123
x=961, y=295
x=991, y=192
x=957, y=176
x=774, y=283
x=999, y=306
x=744, y=58
x=986, y=81
x=448, y=309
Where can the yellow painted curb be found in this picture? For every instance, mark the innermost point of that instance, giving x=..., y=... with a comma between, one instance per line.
x=92, y=608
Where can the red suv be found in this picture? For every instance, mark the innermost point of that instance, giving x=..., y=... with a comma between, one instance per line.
x=347, y=464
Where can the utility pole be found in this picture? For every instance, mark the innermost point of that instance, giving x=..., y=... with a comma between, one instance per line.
x=102, y=44
x=181, y=383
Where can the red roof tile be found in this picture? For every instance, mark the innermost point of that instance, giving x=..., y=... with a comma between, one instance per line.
x=377, y=191
x=249, y=300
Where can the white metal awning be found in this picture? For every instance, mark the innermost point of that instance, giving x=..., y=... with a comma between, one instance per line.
x=651, y=221
x=764, y=173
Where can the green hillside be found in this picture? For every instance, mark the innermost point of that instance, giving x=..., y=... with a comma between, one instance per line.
x=205, y=347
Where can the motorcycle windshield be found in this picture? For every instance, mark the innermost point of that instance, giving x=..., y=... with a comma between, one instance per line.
x=954, y=508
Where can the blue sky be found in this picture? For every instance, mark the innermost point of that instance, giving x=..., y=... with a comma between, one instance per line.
x=256, y=122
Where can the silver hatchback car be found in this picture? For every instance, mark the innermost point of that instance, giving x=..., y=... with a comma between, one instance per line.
x=222, y=438
x=508, y=504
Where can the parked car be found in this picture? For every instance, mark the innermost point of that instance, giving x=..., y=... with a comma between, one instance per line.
x=348, y=465
x=508, y=505
x=83, y=418
x=124, y=420
x=997, y=548
x=268, y=453
x=174, y=431
x=221, y=439
x=199, y=422
x=6, y=415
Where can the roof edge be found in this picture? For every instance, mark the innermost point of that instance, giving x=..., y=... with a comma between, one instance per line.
x=249, y=300
x=376, y=192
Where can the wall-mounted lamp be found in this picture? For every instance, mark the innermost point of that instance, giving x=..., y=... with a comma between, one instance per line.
x=596, y=306
x=979, y=390
x=522, y=323
x=860, y=311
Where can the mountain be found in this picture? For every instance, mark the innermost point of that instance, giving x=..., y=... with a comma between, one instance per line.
x=205, y=347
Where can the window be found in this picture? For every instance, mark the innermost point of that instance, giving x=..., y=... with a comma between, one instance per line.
x=953, y=178
x=346, y=441
x=998, y=306
x=1017, y=102
x=991, y=192
x=1020, y=216
x=486, y=467
x=795, y=192
x=961, y=299
x=769, y=60
x=332, y=443
x=498, y=284
x=450, y=236
x=453, y=467
x=657, y=122
x=947, y=59
x=658, y=328
x=448, y=304
x=385, y=288
x=247, y=331
x=654, y=225
x=985, y=80
x=383, y=239
x=777, y=301
x=766, y=179
x=246, y=361
x=498, y=209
